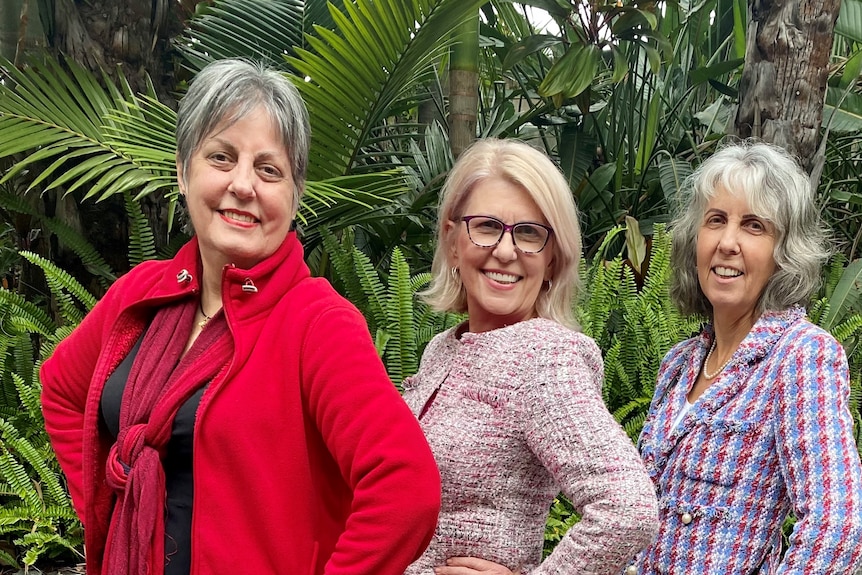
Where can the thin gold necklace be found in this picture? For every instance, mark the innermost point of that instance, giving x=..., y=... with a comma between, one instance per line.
x=706, y=374
x=206, y=318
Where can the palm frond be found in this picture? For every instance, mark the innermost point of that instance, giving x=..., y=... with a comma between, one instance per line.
x=68, y=236
x=381, y=52
x=263, y=30
x=55, y=113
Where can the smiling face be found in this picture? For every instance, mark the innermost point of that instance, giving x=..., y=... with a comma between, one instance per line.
x=734, y=255
x=239, y=191
x=502, y=283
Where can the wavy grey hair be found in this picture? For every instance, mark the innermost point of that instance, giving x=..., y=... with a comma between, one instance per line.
x=226, y=91
x=535, y=173
x=776, y=189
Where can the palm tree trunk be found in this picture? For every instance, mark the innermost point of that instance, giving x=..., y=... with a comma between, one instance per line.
x=464, y=86
x=783, y=83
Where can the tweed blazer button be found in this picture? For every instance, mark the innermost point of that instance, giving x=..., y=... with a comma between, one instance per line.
x=631, y=570
x=686, y=518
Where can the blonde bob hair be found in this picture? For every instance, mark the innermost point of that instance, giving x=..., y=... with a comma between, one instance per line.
x=536, y=174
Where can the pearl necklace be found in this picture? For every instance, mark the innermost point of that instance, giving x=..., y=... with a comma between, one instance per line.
x=712, y=375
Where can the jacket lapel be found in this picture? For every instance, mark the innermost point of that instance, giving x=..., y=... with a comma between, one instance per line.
x=733, y=380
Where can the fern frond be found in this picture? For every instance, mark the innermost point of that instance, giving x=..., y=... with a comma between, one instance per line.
x=17, y=312
x=18, y=479
x=419, y=281
x=401, y=357
x=22, y=354
x=61, y=282
x=30, y=397
x=634, y=426
x=341, y=258
x=41, y=459
x=848, y=328
x=817, y=310
x=68, y=237
x=373, y=290
x=59, y=334
x=39, y=542
x=7, y=559
x=142, y=243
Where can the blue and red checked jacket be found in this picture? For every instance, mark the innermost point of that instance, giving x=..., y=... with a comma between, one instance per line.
x=772, y=434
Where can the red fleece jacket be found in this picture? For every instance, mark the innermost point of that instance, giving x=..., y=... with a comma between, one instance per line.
x=306, y=459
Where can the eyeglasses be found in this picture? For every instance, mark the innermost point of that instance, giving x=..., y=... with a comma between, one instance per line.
x=486, y=232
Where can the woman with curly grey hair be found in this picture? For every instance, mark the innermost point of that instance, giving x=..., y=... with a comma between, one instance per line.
x=750, y=418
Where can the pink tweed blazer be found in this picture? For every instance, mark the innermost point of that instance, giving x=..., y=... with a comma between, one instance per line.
x=513, y=417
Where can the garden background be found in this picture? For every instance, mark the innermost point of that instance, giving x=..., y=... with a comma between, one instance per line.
x=628, y=96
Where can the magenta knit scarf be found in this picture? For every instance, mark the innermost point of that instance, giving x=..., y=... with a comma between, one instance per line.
x=160, y=381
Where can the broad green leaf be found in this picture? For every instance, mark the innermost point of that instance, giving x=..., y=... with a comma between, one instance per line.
x=849, y=23
x=846, y=296
x=573, y=73
x=635, y=244
x=527, y=47
x=714, y=71
x=847, y=117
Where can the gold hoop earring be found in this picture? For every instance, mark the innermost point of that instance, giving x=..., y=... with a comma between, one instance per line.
x=455, y=272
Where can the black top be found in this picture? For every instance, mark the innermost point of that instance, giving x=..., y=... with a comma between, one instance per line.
x=177, y=464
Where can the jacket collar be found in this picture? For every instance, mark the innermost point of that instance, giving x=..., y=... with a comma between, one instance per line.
x=759, y=343
x=246, y=293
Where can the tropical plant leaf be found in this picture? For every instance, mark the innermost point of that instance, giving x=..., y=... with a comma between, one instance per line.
x=573, y=73
x=62, y=283
x=672, y=173
x=57, y=113
x=849, y=23
x=348, y=98
x=845, y=298
x=842, y=111
x=142, y=244
x=262, y=30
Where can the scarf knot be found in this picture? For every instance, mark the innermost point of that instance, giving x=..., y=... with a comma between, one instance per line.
x=123, y=456
x=161, y=379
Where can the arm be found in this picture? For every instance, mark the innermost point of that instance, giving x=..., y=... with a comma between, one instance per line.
x=377, y=444
x=818, y=458
x=572, y=433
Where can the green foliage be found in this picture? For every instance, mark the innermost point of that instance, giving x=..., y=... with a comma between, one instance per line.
x=220, y=30
x=405, y=40
x=399, y=321
x=632, y=319
x=142, y=244
x=57, y=112
x=838, y=309
x=36, y=513
x=70, y=238
x=561, y=517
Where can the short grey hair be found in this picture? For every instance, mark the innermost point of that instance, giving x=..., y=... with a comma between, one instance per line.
x=536, y=174
x=777, y=190
x=225, y=91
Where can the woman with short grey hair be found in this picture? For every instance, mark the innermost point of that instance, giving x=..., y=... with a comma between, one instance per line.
x=750, y=419
x=223, y=411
